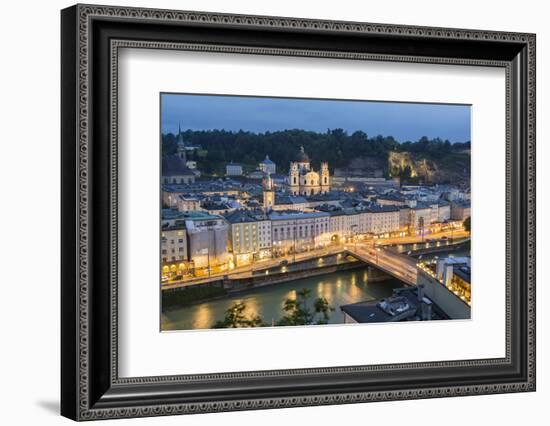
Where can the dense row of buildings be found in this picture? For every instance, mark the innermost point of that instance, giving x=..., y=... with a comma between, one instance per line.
x=211, y=225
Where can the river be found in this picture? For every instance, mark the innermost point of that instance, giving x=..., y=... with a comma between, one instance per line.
x=339, y=288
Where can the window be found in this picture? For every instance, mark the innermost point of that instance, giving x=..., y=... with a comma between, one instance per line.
x=163, y=252
x=181, y=249
x=180, y=240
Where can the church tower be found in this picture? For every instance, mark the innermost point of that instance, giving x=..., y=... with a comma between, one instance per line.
x=181, y=146
x=294, y=178
x=325, y=177
x=268, y=193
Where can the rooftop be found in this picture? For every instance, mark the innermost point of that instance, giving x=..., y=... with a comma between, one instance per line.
x=168, y=214
x=204, y=186
x=219, y=205
x=172, y=165
x=327, y=196
x=266, y=160
x=377, y=208
x=462, y=260
x=292, y=214
x=421, y=206
x=302, y=157
x=289, y=199
x=188, y=197
x=463, y=204
x=463, y=272
x=403, y=305
x=243, y=216
x=392, y=196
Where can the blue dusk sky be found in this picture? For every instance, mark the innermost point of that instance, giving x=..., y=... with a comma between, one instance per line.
x=403, y=121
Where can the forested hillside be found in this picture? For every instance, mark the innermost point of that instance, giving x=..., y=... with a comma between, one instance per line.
x=336, y=146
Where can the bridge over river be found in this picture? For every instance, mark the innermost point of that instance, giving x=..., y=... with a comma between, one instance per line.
x=396, y=265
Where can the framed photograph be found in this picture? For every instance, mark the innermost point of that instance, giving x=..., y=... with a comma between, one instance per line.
x=263, y=212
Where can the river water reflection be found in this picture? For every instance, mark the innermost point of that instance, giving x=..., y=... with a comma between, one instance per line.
x=339, y=288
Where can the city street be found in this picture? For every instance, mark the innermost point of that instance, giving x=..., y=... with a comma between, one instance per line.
x=396, y=265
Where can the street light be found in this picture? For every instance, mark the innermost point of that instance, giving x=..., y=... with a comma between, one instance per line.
x=354, y=232
x=207, y=250
x=452, y=233
x=294, y=241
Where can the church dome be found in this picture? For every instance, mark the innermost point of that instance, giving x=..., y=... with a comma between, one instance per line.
x=302, y=157
x=267, y=160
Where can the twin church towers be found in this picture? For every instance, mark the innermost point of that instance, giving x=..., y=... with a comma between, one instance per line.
x=302, y=180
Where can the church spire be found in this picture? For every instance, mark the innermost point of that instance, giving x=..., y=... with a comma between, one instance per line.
x=181, y=145
x=179, y=139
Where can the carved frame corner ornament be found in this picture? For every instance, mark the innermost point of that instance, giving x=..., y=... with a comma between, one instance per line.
x=91, y=38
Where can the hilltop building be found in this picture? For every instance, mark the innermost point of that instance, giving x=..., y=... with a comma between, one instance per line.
x=233, y=169
x=267, y=166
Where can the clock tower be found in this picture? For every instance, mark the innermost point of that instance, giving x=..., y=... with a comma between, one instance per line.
x=268, y=193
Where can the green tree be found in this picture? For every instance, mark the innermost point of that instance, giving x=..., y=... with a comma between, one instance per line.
x=235, y=318
x=298, y=312
x=467, y=224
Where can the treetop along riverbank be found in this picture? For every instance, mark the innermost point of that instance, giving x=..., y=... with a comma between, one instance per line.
x=296, y=311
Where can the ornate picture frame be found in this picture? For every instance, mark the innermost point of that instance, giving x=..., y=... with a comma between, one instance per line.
x=91, y=386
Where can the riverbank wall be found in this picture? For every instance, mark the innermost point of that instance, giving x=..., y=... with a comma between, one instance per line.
x=439, y=246
x=237, y=285
x=224, y=286
x=441, y=249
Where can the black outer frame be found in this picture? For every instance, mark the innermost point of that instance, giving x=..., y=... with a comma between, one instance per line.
x=90, y=387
